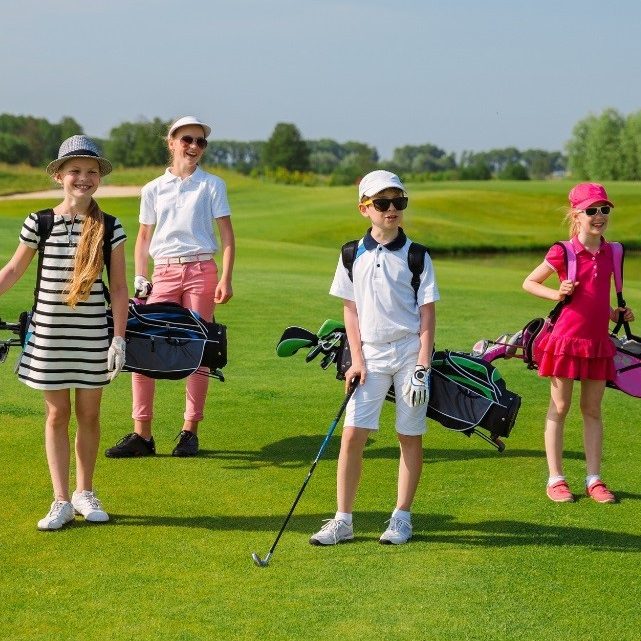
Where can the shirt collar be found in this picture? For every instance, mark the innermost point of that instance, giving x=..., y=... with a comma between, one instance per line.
x=393, y=245
x=168, y=177
x=580, y=247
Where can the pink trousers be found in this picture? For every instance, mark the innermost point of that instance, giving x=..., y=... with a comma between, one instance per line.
x=192, y=285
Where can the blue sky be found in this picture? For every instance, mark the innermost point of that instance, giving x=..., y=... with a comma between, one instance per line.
x=460, y=74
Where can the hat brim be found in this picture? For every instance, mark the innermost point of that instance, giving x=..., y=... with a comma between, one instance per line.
x=104, y=166
x=590, y=201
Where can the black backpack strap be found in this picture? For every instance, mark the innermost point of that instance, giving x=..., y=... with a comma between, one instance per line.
x=109, y=226
x=45, y=226
x=416, y=261
x=348, y=255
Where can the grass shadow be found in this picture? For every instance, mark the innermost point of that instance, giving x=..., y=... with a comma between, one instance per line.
x=299, y=451
x=428, y=528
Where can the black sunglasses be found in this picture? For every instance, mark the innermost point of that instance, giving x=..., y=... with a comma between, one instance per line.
x=188, y=140
x=383, y=204
x=603, y=209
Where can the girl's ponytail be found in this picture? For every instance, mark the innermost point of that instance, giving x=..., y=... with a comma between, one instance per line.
x=571, y=220
x=88, y=262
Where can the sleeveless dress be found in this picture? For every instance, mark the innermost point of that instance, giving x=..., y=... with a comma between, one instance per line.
x=65, y=347
x=579, y=346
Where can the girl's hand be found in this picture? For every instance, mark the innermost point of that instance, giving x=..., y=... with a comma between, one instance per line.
x=566, y=288
x=628, y=314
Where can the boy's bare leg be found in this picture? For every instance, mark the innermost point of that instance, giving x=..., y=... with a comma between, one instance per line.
x=350, y=466
x=409, y=469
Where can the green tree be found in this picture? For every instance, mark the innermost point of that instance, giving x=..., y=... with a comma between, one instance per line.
x=630, y=159
x=286, y=148
x=577, y=148
x=137, y=144
x=13, y=149
x=602, y=146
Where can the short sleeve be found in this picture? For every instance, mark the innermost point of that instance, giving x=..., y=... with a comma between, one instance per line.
x=220, y=204
x=118, y=236
x=29, y=235
x=147, y=205
x=555, y=258
x=342, y=286
x=428, y=289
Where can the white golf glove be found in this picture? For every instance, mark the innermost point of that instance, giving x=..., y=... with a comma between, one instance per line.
x=417, y=390
x=142, y=287
x=116, y=356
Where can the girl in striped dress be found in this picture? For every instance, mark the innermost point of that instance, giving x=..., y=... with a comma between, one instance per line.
x=67, y=346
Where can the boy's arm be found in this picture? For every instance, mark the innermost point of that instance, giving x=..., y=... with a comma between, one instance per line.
x=357, y=368
x=426, y=334
x=224, y=290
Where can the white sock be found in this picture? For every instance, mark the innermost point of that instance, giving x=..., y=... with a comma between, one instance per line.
x=402, y=514
x=555, y=479
x=344, y=516
x=591, y=479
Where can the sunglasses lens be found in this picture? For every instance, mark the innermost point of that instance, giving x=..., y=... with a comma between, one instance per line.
x=605, y=210
x=592, y=211
x=400, y=203
x=188, y=140
x=381, y=204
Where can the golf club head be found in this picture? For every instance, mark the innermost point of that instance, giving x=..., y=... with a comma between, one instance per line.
x=329, y=326
x=298, y=332
x=313, y=353
x=290, y=346
x=261, y=563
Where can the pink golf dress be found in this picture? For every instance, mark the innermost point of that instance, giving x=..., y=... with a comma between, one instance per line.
x=579, y=346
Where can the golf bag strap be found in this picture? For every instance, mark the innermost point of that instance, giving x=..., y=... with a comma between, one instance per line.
x=415, y=260
x=45, y=227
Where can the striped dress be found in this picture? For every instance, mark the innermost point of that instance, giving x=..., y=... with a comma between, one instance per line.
x=65, y=347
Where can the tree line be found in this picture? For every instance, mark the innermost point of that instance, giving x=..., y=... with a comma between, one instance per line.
x=604, y=147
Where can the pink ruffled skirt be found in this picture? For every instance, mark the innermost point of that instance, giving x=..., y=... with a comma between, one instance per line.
x=575, y=358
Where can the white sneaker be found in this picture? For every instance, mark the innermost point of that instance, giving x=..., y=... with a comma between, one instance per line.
x=60, y=513
x=87, y=504
x=399, y=531
x=333, y=532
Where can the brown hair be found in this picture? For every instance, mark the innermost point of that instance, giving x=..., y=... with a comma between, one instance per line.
x=88, y=262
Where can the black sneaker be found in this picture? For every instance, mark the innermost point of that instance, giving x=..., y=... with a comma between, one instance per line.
x=132, y=445
x=187, y=445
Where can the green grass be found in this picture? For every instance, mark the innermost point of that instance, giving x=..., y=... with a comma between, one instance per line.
x=492, y=557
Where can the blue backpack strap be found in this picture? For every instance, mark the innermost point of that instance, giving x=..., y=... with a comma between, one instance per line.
x=348, y=255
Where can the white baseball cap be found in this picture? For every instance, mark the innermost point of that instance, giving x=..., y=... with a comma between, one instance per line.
x=189, y=120
x=378, y=180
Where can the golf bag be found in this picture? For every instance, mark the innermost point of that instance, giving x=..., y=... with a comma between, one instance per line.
x=467, y=393
x=166, y=340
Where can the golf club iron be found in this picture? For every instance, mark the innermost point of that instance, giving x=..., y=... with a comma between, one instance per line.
x=263, y=563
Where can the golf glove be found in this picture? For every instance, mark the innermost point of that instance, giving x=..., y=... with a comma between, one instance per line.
x=116, y=356
x=142, y=287
x=417, y=390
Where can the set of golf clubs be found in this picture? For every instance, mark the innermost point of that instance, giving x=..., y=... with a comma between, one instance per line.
x=11, y=342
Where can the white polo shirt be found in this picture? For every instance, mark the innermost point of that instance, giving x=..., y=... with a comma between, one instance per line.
x=183, y=211
x=382, y=289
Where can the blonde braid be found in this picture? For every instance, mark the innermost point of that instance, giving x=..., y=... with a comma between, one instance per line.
x=88, y=262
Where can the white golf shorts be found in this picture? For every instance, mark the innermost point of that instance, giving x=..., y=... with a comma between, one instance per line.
x=387, y=364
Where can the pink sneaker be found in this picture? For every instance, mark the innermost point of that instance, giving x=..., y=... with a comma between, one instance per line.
x=600, y=493
x=559, y=492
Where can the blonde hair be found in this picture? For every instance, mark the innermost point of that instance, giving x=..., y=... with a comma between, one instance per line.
x=572, y=221
x=88, y=262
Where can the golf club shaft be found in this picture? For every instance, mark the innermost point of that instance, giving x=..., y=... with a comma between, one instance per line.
x=326, y=440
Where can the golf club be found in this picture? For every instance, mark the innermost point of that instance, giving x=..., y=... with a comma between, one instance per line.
x=263, y=563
